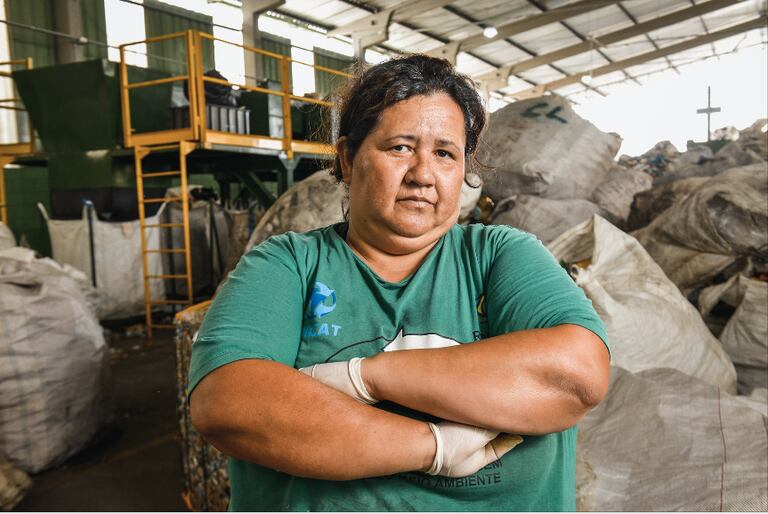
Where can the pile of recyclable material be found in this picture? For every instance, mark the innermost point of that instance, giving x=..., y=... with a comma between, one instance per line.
x=718, y=230
x=205, y=468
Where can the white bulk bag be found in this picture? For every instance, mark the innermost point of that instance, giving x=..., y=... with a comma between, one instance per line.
x=469, y=197
x=617, y=192
x=542, y=217
x=649, y=323
x=54, y=364
x=6, y=237
x=206, y=243
x=117, y=251
x=312, y=203
x=542, y=147
x=664, y=441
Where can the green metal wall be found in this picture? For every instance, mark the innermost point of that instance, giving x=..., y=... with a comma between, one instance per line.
x=25, y=186
x=28, y=43
x=171, y=56
x=325, y=82
x=277, y=45
x=94, y=25
x=42, y=47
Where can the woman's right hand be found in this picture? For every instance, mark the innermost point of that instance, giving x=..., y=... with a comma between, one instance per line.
x=463, y=449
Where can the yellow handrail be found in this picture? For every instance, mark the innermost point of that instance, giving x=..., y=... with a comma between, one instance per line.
x=198, y=130
x=17, y=148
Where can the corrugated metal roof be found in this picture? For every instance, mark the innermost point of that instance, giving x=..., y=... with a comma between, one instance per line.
x=460, y=20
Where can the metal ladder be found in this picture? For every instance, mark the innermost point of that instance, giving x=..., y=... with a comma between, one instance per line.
x=140, y=152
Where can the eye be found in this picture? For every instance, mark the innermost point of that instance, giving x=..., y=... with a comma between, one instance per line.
x=445, y=154
x=400, y=148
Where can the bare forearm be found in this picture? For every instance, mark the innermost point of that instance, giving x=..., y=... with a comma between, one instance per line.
x=529, y=382
x=274, y=416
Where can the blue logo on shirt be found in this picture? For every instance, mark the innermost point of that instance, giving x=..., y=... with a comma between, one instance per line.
x=322, y=301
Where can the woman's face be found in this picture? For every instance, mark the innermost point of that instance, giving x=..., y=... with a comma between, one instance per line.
x=405, y=180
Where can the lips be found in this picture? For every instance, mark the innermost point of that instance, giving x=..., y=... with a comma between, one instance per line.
x=416, y=199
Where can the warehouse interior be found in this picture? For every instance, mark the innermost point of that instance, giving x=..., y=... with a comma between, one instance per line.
x=147, y=145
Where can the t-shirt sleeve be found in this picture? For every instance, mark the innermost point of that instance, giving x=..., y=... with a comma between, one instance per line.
x=528, y=289
x=256, y=315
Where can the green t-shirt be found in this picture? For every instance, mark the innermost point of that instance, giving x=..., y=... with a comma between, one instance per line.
x=301, y=299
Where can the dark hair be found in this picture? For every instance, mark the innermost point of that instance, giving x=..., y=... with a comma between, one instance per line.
x=374, y=89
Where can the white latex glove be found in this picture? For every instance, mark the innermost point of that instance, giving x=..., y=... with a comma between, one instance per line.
x=463, y=449
x=344, y=376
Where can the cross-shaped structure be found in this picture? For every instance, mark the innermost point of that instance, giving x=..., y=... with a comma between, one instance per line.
x=708, y=110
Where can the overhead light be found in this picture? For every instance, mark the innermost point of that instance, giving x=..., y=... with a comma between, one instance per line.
x=490, y=32
x=586, y=79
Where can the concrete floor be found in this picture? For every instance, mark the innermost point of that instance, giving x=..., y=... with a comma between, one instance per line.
x=135, y=463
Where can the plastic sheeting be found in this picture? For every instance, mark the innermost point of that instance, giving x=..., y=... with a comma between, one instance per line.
x=664, y=441
x=721, y=228
x=54, y=363
x=544, y=218
x=542, y=147
x=649, y=323
x=117, y=252
x=6, y=237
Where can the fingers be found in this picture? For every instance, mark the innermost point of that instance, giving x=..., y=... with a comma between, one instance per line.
x=310, y=370
x=503, y=443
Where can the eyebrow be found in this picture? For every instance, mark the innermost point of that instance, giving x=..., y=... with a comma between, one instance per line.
x=440, y=142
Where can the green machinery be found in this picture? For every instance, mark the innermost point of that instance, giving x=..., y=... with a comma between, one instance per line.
x=76, y=111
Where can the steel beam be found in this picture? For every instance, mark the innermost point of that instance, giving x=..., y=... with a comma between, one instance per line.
x=374, y=28
x=755, y=23
x=529, y=23
x=402, y=11
x=502, y=74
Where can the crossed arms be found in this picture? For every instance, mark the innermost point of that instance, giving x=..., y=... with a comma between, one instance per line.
x=529, y=382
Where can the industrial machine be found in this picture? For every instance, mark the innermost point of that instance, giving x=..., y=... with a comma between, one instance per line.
x=120, y=136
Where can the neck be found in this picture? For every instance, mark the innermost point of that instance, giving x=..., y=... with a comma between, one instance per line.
x=392, y=267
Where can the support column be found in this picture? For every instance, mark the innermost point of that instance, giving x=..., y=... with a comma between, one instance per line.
x=252, y=9
x=68, y=18
x=369, y=31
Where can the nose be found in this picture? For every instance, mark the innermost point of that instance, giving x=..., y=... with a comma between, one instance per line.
x=420, y=172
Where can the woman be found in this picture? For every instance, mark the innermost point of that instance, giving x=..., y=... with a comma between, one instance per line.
x=461, y=334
